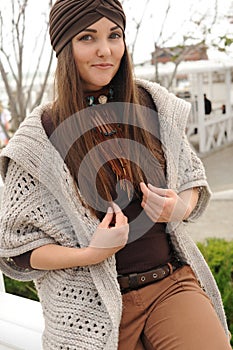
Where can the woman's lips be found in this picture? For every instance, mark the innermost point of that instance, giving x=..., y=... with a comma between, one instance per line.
x=103, y=65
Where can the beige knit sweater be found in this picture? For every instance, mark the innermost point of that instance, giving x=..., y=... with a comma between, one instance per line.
x=82, y=306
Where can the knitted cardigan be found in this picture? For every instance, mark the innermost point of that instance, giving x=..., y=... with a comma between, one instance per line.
x=82, y=306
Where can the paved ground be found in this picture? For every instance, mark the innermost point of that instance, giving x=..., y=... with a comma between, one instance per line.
x=217, y=221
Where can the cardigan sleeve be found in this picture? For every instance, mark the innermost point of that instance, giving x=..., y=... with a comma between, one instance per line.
x=191, y=174
x=27, y=210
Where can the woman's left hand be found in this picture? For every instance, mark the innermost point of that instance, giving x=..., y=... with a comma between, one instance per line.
x=165, y=205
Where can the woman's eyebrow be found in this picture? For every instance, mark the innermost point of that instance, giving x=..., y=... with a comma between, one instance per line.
x=95, y=31
x=114, y=28
x=89, y=30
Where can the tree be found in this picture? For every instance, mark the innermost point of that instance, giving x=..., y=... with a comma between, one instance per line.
x=158, y=21
x=23, y=77
x=200, y=24
x=137, y=23
x=224, y=41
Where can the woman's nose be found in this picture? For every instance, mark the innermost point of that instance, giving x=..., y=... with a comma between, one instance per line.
x=103, y=49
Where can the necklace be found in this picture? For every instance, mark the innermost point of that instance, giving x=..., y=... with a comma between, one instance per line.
x=101, y=98
x=105, y=129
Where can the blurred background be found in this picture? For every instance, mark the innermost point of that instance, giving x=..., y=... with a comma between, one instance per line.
x=187, y=47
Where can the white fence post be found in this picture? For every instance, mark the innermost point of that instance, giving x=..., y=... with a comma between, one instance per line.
x=201, y=114
x=228, y=104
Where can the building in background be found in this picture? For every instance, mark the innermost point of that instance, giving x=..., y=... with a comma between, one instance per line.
x=185, y=53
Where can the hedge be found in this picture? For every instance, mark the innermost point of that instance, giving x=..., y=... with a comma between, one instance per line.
x=219, y=256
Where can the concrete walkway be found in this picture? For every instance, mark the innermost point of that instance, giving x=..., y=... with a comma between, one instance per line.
x=217, y=221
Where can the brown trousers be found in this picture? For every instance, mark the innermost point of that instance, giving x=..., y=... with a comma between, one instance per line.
x=171, y=314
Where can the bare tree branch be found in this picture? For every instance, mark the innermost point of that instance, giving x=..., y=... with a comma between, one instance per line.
x=37, y=67
x=8, y=60
x=138, y=26
x=157, y=42
x=199, y=36
x=164, y=21
x=9, y=91
x=43, y=86
x=23, y=91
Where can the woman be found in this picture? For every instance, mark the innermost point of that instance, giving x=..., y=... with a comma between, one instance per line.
x=98, y=185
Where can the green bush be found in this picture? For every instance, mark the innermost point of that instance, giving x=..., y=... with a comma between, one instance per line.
x=24, y=289
x=218, y=254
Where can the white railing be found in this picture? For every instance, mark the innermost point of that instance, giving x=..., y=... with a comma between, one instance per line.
x=211, y=132
x=218, y=132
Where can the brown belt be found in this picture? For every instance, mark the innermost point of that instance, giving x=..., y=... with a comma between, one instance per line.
x=138, y=280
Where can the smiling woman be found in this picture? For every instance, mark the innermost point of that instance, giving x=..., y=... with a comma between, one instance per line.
x=99, y=185
x=98, y=51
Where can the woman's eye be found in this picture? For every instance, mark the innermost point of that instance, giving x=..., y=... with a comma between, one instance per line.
x=86, y=37
x=115, y=35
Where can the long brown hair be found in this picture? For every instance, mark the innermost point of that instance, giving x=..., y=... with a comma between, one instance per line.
x=70, y=100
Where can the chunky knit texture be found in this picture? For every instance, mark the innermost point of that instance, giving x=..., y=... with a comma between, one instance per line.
x=82, y=306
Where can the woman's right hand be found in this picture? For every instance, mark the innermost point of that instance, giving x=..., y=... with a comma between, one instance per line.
x=105, y=242
x=108, y=239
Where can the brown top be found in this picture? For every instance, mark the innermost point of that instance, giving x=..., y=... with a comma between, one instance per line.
x=148, y=248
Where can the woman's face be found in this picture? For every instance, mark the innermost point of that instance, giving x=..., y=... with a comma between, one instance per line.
x=97, y=51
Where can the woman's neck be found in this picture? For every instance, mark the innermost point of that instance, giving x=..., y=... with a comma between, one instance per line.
x=95, y=92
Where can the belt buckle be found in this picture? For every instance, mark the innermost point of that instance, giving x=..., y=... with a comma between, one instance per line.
x=133, y=281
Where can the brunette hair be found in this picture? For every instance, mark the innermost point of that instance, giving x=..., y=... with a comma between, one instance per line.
x=70, y=100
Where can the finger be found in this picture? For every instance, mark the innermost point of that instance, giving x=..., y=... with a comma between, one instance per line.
x=107, y=218
x=159, y=191
x=110, y=237
x=121, y=219
x=116, y=208
x=152, y=206
x=151, y=198
x=150, y=193
x=144, y=189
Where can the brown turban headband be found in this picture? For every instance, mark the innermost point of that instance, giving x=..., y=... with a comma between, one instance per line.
x=70, y=17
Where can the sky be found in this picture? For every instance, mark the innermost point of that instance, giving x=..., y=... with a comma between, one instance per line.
x=177, y=23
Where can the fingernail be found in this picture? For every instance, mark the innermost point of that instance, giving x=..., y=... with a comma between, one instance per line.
x=116, y=208
x=110, y=210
